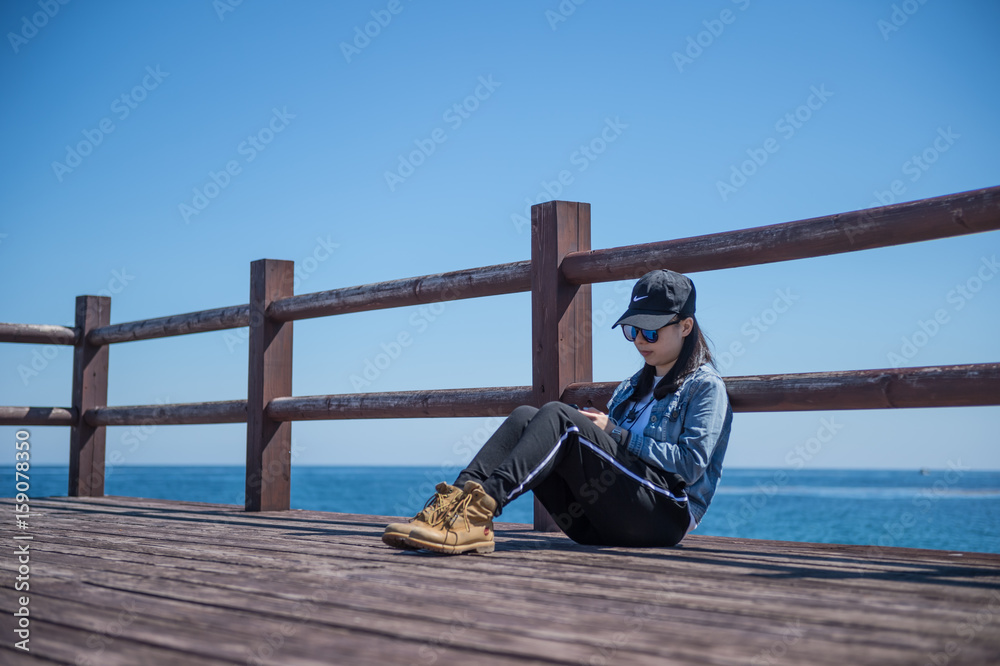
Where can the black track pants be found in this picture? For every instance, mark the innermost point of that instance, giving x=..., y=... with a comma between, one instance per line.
x=597, y=492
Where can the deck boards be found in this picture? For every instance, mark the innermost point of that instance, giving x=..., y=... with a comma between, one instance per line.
x=130, y=581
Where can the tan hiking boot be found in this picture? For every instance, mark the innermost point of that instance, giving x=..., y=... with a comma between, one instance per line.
x=432, y=514
x=468, y=525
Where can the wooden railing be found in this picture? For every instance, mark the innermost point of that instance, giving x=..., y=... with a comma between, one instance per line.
x=559, y=275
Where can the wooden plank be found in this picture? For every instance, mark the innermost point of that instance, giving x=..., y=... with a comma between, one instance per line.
x=442, y=403
x=921, y=558
x=733, y=600
x=216, y=319
x=969, y=212
x=470, y=283
x=561, y=325
x=142, y=524
x=11, y=656
x=90, y=389
x=385, y=590
x=223, y=411
x=240, y=634
x=976, y=384
x=29, y=416
x=43, y=334
x=140, y=517
x=101, y=645
x=568, y=632
x=136, y=511
x=533, y=599
x=269, y=442
x=301, y=629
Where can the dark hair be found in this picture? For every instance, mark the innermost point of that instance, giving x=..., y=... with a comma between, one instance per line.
x=694, y=353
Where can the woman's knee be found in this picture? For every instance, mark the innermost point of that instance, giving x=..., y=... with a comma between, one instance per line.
x=556, y=406
x=523, y=414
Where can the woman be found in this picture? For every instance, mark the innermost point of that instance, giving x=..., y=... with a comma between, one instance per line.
x=641, y=475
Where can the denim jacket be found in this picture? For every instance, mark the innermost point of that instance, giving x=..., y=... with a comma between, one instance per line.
x=688, y=432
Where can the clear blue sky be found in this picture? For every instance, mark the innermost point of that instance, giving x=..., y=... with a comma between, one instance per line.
x=163, y=95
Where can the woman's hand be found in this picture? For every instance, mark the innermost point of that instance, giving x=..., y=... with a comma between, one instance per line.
x=599, y=418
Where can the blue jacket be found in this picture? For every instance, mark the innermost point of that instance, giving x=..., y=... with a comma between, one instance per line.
x=688, y=432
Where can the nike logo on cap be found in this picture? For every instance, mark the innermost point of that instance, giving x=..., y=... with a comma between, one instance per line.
x=639, y=298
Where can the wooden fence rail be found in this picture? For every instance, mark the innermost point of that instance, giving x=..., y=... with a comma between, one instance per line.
x=975, y=384
x=928, y=219
x=223, y=411
x=935, y=386
x=472, y=283
x=38, y=334
x=218, y=319
x=558, y=275
x=32, y=416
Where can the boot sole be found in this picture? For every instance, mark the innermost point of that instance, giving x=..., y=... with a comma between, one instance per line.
x=397, y=541
x=480, y=548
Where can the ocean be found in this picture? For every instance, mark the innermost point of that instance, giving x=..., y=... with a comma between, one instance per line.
x=940, y=509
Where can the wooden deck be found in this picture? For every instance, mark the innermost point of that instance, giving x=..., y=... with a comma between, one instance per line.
x=137, y=581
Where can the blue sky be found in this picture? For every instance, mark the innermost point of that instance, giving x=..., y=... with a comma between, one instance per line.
x=153, y=150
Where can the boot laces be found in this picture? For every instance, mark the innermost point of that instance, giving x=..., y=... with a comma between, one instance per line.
x=461, y=506
x=434, y=509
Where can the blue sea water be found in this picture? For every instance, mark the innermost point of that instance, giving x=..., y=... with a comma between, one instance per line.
x=940, y=509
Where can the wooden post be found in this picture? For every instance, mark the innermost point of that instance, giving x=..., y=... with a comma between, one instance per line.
x=560, y=312
x=90, y=389
x=269, y=442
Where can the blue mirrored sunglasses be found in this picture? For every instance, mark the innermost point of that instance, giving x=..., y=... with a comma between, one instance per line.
x=649, y=336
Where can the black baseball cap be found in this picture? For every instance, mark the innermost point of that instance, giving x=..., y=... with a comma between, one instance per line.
x=656, y=298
